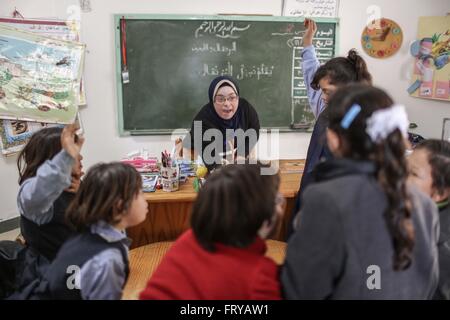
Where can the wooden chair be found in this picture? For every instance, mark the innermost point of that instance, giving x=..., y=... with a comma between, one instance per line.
x=144, y=261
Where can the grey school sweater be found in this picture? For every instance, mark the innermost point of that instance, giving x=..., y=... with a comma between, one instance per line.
x=342, y=249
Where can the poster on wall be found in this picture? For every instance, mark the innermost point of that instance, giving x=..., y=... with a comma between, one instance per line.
x=14, y=134
x=57, y=29
x=39, y=77
x=311, y=8
x=431, y=75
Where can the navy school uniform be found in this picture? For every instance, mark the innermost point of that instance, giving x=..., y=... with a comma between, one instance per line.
x=90, y=266
x=317, y=149
x=42, y=204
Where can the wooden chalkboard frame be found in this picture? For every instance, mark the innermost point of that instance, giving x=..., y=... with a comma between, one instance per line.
x=118, y=17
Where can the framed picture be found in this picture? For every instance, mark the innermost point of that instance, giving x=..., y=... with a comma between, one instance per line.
x=446, y=129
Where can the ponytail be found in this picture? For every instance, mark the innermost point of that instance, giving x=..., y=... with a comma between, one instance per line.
x=392, y=176
x=342, y=71
x=361, y=72
x=387, y=152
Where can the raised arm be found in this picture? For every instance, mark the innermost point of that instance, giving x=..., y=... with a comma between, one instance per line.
x=37, y=194
x=310, y=64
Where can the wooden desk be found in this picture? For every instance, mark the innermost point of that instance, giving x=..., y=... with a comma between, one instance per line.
x=169, y=212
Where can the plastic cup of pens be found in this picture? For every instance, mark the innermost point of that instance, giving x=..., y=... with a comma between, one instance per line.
x=170, y=174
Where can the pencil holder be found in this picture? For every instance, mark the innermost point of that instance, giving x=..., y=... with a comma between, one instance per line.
x=170, y=178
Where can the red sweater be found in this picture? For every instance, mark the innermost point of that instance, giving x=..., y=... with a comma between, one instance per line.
x=189, y=272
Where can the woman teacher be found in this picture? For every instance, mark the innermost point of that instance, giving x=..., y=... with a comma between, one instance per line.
x=226, y=128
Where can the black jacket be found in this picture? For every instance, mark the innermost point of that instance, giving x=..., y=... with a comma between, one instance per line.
x=317, y=151
x=246, y=118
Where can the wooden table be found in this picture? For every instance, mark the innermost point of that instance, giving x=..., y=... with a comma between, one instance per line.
x=169, y=212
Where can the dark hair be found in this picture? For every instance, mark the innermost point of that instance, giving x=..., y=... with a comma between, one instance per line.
x=388, y=155
x=107, y=191
x=342, y=71
x=43, y=145
x=232, y=205
x=439, y=159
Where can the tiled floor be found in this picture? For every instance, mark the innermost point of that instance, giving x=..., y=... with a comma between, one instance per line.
x=10, y=235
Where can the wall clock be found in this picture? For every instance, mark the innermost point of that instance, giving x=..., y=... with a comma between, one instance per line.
x=382, y=38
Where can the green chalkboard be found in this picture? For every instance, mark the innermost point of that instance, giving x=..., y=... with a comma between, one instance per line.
x=172, y=59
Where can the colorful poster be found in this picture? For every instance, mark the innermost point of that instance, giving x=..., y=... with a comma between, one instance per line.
x=14, y=134
x=39, y=77
x=431, y=74
x=56, y=29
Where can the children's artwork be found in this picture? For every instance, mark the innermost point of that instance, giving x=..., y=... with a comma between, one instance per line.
x=431, y=77
x=149, y=182
x=39, y=77
x=382, y=38
x=311, y=8
x=14, y=134
x=56, y=29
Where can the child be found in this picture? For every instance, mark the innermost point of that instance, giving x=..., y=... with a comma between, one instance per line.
x=373, y=238
x=94, y=263
x=429, y=166
x=222, y=256
x=321, y=83
x=49, y=175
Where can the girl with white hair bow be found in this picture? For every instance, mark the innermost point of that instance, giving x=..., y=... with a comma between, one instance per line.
x=362, y=232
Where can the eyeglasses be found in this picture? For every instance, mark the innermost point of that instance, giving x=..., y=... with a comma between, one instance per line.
x=222, y=99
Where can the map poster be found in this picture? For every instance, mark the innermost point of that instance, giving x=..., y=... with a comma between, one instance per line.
x=57, y=29
x=39, y=77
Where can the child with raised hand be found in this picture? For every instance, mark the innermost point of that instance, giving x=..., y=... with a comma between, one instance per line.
x=94, y=264
x=321, y=82
x=362, y=233
x=222, y=255
x=49, y=175
x=429, y=170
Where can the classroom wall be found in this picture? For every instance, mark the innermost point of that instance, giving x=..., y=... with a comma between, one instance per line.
x=100, y=117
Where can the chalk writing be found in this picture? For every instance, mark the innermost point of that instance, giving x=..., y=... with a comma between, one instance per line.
x=240, y=71
x=221, y=29
x=216, y=48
